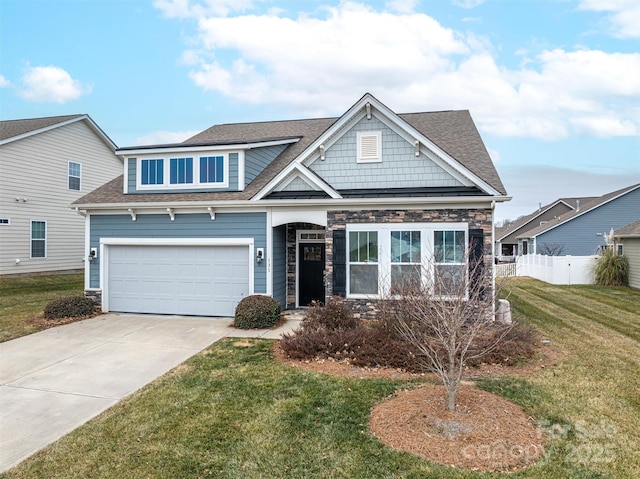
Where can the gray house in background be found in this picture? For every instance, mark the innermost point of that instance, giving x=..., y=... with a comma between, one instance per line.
x=506, y=241
x=580, y=232
x=45, y=165
x=627, y=242
x=299, y=210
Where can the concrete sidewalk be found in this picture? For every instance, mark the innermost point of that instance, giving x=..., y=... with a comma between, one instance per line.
x=55, y=380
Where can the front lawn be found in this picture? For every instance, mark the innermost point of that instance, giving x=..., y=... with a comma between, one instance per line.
x=24, y=298
x=235, y=412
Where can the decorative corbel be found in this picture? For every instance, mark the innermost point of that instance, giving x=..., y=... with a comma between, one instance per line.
x=212, y=213
x=172, y=214
x=368, y=106
x=417, y=146
x=322, y=152
x=132, y=212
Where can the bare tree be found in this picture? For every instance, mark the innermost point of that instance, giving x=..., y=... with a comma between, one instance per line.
x=550, y=249
x=450, y=319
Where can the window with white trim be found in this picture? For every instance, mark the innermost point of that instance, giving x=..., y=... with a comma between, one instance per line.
x=152, y=171
x=386, y=259
x=369, y=146
x=180, y=171
x=172, y=173
x=75, y=174
x=5, y=221
x=406, y=261
x=38, y=239
x=212, y=169
x=363, y=262
x=620, y=249
x=449, y=251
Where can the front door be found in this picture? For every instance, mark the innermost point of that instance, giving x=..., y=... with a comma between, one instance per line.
x=310, y=273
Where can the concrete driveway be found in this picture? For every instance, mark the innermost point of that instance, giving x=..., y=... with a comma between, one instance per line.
x=53, y=381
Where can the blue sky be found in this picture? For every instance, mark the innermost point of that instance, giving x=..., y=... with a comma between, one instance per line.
x=553, y=85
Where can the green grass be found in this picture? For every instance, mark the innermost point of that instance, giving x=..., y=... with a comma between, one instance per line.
x=24, y=298
x=235, y=412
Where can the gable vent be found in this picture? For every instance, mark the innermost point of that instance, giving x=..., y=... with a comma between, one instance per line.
x=369, y=147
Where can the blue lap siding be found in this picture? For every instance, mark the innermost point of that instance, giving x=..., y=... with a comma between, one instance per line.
x=226, y=225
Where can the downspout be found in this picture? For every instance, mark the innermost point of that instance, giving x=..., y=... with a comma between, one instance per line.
x=493, y=259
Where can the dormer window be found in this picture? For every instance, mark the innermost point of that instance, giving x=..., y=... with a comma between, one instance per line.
x=171, y=173
x=181, y=171
x=369, y=147
x=152, y=172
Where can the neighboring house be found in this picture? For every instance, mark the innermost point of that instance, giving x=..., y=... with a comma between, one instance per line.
x=507, y=236
x=627, y=242
x=581, y=232
x=45, y=165
x=299, y=210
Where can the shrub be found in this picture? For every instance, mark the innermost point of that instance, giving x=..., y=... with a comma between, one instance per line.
x=69, y=307
x=612, y=269
x=521, y=342
x=257, y=311
x=335, y=315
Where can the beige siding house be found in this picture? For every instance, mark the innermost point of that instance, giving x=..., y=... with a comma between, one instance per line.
x=45, y=165
x=627, y=241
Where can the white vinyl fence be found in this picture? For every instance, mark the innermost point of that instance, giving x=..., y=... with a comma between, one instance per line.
x=552, y=269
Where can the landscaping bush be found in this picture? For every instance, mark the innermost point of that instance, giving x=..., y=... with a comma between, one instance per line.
x=257, y=311
x=612, y=269
x=332, y=332
x=521, y=342
x=335, y=315
x=69, y=307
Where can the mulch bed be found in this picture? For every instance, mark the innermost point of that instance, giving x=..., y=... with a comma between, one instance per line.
x=484, y=433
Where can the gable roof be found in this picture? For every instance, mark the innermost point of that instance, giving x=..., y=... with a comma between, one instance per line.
x=13, y=130
x=452, y=132
x=630, y=231
x=523, y=221
x=589, y=206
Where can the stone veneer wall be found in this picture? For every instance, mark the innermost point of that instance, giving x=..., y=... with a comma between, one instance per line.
x=292, y=228
x=476, y=218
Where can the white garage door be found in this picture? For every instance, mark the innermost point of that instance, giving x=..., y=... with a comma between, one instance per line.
x=193, y=280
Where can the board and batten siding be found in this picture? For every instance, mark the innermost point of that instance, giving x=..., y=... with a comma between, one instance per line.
x=132, y=177
x=583, y=235
x=280, y=265
x=631, y=249
x=399, y=168
x=192, y=225
x=35, y=169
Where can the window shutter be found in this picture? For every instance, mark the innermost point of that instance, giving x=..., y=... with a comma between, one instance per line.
x=340, y=263
x=476, y=254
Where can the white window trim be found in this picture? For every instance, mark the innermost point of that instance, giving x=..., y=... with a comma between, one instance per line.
x=69, y=175
x=384, y=251
x=360, y=158
x=31, y=238
x=166, y=170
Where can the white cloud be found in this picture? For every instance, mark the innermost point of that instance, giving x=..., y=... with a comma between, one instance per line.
x=51, y=84
x=161, y=137
x=187, y=8
x=412, y=63
x=402, y=6
x=4, y=83
x=468, y=3
x=624, y=15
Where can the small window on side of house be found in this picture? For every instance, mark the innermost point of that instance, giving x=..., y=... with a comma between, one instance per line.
x=75, y=174
x=5, y=221
x=620, y=249
x=38, y=239
x=369, y=147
